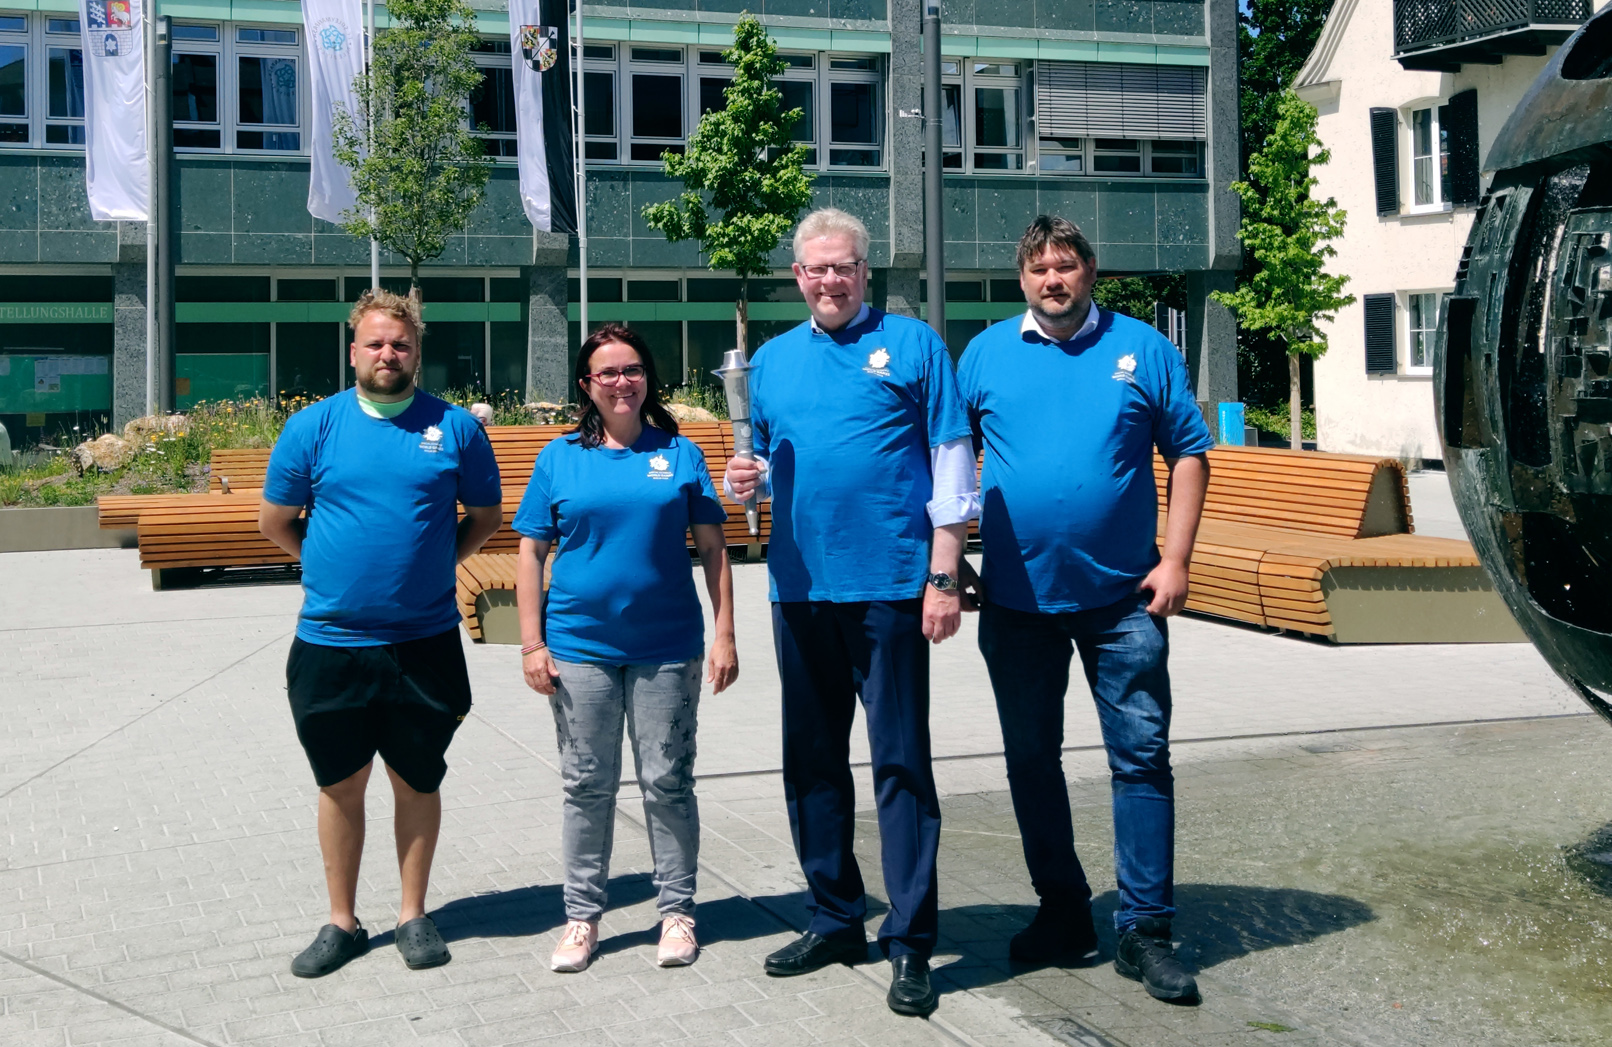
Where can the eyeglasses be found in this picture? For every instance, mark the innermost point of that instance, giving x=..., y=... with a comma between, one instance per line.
x=632, y=373
x=843, y=270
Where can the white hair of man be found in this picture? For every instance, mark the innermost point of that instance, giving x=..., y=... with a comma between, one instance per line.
x=831, y=221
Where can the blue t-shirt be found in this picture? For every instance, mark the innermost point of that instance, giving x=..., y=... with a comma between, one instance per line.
x=1069, y=507
x=381, y=493
x=846, y=419
x=622, y=592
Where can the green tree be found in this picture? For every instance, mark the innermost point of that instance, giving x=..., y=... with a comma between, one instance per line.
x=1135, y=296
x=1288, y=231
x=743, y=183
x=418, y=169
x=1274, y=39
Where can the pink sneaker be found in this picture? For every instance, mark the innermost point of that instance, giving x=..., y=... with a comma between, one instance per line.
x=576, y=947
x=677, y=945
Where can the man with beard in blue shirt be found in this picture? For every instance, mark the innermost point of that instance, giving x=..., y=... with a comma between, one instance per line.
x=864, y=446
x=1069, y=402
x=377, y=665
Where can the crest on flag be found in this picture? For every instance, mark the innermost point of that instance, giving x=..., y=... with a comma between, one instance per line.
x=540, y=46
x=110, y=28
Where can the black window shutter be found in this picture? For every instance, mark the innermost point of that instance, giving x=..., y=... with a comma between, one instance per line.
x=1385, y=159
x=1380, y=355
x=1460, y=120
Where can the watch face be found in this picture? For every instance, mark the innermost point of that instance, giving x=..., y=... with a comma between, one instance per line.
x=943, y=582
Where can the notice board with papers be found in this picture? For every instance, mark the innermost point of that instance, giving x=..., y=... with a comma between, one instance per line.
x=34, y=382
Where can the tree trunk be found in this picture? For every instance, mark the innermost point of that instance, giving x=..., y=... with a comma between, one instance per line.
x=414, y=279
x=741, y=315
x=1295, y=414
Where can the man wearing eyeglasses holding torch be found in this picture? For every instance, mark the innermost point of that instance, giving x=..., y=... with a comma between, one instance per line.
x=863, y=445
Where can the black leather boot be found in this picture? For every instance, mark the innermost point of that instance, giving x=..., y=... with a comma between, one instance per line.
x=1145, y=955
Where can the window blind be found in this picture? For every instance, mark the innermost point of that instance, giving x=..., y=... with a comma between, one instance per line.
x=1381, y=357
x=1121, y=100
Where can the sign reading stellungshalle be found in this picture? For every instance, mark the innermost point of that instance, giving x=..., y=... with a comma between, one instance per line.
x=115, y=109
x=335, y=32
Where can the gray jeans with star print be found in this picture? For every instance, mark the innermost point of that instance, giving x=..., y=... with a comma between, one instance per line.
x=659, y=705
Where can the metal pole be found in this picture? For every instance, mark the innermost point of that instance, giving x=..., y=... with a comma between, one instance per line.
x=369, y=127
x=162, y=191
x=582, y=178
x=934, y=112
x=149, y=40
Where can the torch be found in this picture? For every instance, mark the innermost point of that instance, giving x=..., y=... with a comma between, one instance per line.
x=735, y=375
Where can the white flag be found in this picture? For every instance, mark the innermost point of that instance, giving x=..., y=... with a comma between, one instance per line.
x=115, y=156
x=542, y=112
x=336, y=55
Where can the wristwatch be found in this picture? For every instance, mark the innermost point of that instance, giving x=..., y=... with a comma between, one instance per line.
x=943, y=582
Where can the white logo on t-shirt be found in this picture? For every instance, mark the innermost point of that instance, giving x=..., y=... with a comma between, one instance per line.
x=659, y=468
x=433, y=440
x=878, y=362
x=1127, y=369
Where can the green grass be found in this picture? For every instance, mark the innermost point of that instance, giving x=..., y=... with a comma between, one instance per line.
x=166, y=463
x=701, y=394
x=1271, y=1026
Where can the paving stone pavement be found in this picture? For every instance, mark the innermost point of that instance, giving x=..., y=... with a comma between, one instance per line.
x=161, y=866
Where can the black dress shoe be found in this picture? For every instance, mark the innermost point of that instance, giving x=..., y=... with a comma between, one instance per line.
x=1145, y=955
x=330, y=950
x=812, y=951
x=1057, y=932
x=910, y=991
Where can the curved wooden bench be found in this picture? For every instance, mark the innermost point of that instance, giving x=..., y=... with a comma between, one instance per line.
x=1323, y=544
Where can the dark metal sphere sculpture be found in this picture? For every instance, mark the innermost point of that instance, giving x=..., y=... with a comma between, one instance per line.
x=1523, y=366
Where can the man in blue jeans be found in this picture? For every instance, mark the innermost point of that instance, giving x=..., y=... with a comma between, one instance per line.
x=1069, y=402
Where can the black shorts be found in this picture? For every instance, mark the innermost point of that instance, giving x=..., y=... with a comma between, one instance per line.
x=402, y=700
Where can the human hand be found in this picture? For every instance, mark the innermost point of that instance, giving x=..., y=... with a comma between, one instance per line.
x=723, y=667
x=538, y=668
x=943, y=614
x=1168, y=584
x=971, y=586
x=743, y=476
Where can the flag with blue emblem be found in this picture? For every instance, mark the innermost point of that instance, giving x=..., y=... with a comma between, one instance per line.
x=335, y=31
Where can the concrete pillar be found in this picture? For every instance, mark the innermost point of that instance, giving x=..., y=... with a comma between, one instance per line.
x=906, y=145
x=548, y=360
x=1211, y=343
x=901, y=292
x=129, y=330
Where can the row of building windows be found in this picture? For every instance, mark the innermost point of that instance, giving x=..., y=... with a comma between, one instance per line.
x=241, y=89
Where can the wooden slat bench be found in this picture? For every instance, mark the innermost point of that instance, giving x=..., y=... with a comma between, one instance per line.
x=1323, y=544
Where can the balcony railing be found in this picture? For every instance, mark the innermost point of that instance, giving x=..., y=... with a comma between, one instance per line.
x=1449, y=32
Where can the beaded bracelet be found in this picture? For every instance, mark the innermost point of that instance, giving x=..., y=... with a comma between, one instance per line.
x=538, y=646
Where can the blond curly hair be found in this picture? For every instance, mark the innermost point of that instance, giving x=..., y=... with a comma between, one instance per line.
x=398, y=307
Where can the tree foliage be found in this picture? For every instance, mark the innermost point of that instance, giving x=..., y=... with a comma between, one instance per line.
x=417, y=169
x=743, y=180
x=1136, y=296
x=1288, y=233
x=1274, y=38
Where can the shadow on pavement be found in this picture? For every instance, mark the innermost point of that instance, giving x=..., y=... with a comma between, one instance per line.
x=530, y=911
x=1214, y=923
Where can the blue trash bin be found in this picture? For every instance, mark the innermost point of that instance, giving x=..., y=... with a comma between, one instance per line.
x=1231, y=424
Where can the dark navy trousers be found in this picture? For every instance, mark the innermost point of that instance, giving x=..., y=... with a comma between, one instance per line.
x=828, y=654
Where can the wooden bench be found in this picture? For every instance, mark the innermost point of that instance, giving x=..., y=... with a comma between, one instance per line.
x=1323, y=544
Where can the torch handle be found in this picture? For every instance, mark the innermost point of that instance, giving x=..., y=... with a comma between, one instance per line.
x=744, y=447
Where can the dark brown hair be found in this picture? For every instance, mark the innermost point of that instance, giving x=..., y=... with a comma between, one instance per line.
x=591, y=426
x=1051, y=231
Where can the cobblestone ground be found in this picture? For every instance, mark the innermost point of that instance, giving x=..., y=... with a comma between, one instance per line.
x=160, y=866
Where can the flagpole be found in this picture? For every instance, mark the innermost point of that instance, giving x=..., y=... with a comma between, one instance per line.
x=150, y=40
x=369, y=126
x=582, y=178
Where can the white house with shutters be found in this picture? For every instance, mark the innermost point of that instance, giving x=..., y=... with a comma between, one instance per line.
x=1411, y=94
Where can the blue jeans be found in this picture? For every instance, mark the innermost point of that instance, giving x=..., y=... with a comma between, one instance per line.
x=1125, y=652
x=660, y=706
